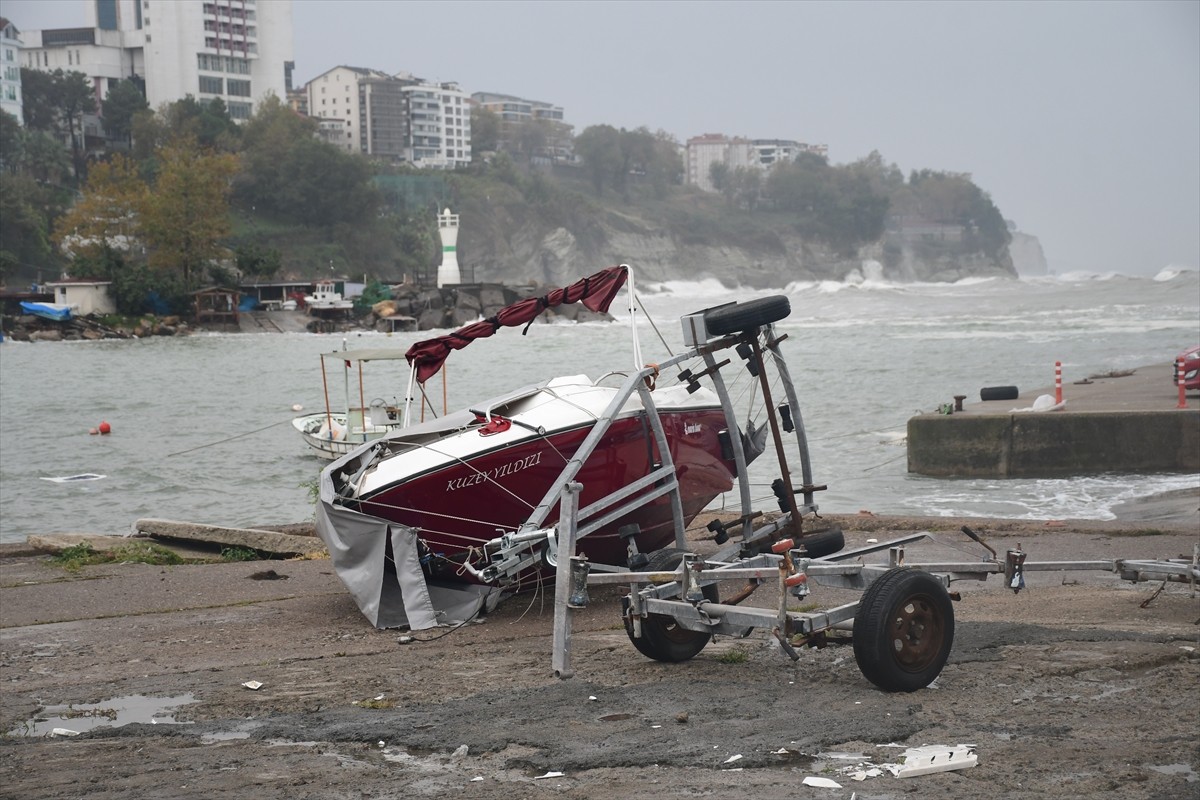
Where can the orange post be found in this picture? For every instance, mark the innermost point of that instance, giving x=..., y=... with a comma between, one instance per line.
x=1179, y=380
x=1057, y=381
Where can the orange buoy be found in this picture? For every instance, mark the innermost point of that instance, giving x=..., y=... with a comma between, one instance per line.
x=105, y=427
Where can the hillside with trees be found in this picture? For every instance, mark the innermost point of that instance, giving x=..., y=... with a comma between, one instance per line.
x=183, y=197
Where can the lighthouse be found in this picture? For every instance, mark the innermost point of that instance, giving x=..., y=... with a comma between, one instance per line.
x=448, y=230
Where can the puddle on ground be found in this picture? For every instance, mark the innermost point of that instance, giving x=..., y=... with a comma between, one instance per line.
x=80, y=717
x=1186, y=771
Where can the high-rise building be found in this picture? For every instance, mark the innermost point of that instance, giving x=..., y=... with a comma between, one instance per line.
x=10, y=70
x=237, y=50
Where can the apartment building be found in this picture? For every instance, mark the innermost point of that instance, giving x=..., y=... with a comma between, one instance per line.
x=10, y=70
x=399, y=118
x=237, y=50
x=334, y=95
x=514, y=111
x=712, y=148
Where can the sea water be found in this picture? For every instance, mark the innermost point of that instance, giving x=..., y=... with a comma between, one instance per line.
x=201, y=425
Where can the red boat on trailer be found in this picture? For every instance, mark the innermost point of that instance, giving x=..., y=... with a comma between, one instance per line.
x=474, y=497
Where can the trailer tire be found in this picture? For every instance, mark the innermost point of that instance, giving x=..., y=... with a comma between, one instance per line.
x=903, y=630
x=662, y=637
x=747, y=316
x=998, y=393
x=819, y=544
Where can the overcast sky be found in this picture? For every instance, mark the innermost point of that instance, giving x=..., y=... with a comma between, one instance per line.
x=1080, y=119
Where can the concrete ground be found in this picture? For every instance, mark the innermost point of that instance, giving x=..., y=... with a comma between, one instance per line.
x=1149, y=388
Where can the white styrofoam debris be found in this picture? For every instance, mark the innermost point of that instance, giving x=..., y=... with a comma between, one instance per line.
x=733, y=758
x=821, y=783
x=253, y=685
x=550, y=774
x=936, y=758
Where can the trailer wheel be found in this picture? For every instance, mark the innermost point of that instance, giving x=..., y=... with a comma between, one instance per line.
x=663, y=639
x=819, y=544
x=747, y=316
x=903, y=630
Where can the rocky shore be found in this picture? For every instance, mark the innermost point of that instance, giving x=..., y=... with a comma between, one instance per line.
x=254, y=679
x=410, y=308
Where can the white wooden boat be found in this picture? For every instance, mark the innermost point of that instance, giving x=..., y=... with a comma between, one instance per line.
x=334, y=432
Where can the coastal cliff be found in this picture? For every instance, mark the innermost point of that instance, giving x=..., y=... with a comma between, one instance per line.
x=513, y=243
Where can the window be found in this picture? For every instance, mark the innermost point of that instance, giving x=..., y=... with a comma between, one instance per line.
x=238, y=88
x=239, y=110
x=210, y=85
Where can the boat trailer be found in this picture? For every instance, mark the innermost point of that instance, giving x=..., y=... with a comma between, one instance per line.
x=902, y=626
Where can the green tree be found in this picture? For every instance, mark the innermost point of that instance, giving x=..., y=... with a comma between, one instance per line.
x=75, y=98
x=45, y=159
x=259, y=261
x=12, y=143
x=124, y=101
x=747, y=187
x=324, y=186
x=485, y=131
x=38, y=100
x=527, y=139
x=186, y=217
x=24, y=239
x=267, y=140
x=599, y=146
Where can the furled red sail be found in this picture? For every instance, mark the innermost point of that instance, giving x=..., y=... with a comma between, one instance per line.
x=596, y=292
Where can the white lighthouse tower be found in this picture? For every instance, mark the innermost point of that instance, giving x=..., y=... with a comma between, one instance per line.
x=448, y=230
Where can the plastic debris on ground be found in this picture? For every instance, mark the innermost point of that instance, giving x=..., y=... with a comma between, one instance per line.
x=821, y=783
x=549, y=775
x=253, y=685
x=936, y=758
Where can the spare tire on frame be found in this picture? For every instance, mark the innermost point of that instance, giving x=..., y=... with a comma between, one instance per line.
x=738, y=317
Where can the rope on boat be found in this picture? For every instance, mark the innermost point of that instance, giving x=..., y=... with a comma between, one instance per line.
x=652, y=325
x=230, y=438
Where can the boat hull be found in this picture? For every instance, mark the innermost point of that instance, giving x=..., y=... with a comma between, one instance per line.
x=462, y=505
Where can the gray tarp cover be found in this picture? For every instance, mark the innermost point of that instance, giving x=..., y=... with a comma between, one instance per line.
x=358, y=548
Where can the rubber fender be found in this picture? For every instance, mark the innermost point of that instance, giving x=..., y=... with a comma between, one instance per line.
x=998, y=393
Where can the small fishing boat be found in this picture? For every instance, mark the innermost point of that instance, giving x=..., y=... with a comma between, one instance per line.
x=325, y=297
x=333, y=433
x=477, y=496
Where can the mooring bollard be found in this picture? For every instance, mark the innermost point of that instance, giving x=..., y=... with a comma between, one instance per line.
x=1058, y=382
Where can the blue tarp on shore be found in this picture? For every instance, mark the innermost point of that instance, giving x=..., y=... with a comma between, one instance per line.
x=54, y=311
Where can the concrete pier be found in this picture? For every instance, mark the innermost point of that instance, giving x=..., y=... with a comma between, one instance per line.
x=1118, y=424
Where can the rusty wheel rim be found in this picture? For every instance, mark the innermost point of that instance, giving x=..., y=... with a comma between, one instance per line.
x=916, y=633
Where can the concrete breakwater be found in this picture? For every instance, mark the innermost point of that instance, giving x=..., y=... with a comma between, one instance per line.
x=1125, y=423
